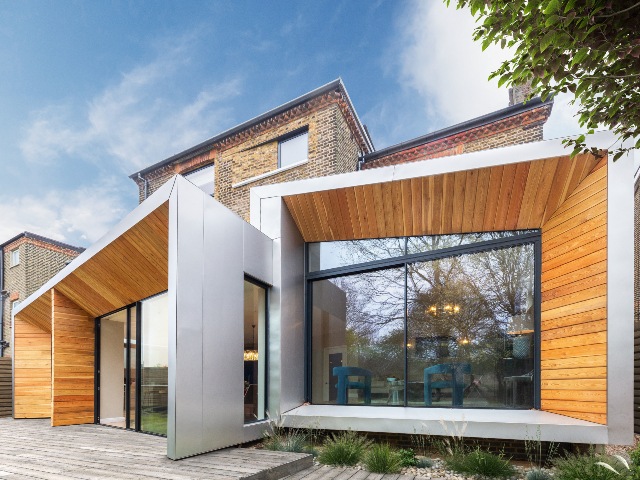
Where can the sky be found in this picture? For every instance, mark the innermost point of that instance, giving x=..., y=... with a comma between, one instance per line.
x=91, y=92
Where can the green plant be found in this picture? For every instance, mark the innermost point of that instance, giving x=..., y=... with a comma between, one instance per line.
x=407, y=457
x=634, y=468
x=424, y=463
x=452, y=444
x=535, y=453
x=278, y=437
x=420, y=443
x=381, y=458
x=588, y=466
x=621, y=463
x=479, y=462
x=537, y=474
x=345, y=448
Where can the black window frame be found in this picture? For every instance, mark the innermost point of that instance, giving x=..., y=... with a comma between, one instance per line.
x=529, y=237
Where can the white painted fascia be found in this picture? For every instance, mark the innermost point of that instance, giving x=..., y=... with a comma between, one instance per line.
x=466, y=161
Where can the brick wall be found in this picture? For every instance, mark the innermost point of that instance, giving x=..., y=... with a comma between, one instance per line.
x=524, y=127
x=39, y=261
x=333, y=148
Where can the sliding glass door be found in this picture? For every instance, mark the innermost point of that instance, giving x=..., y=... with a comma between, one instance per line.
x=132, y=367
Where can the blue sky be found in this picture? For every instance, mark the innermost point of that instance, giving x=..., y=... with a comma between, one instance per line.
x=91, y=92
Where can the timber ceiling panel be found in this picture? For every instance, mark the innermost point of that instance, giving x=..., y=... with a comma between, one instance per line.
x=132, y=267
x=504, y=197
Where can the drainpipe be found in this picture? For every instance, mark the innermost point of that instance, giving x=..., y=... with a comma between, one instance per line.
x=146, y=185
x=360, y=163
x=3, y=295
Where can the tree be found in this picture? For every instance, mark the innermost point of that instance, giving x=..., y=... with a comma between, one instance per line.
x=590, y=48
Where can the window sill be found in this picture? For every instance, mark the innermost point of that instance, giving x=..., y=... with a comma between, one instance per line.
x=268, y=174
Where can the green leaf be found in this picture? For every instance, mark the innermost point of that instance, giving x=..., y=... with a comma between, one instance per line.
x=547, y=40
x=552, y=7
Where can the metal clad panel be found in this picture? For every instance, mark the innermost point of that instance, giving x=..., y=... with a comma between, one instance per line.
x=291, y=313
x=620, y=300
x=223, y=327
x=189, y=290
x=172, y=304
x=258, y=254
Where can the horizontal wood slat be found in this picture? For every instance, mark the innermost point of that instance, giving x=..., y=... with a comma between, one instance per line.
x=32, y=376
x=516, y=196
x=6, y=397
x=574, y=302
x=73, y=363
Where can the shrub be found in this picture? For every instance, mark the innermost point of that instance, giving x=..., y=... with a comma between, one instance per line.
x=588, y=466
x=537, y=474
x=407, y=457
x=344, y=448
x=479, y=462
x=284, y=439
x=381, y=458
x=424, y=463
x=635, y=463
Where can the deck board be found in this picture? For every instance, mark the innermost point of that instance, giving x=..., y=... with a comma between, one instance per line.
x=35, y=450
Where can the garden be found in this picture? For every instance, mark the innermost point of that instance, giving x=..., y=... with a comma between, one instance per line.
x=454, y=457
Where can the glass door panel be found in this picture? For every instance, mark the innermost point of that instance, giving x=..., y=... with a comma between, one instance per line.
x=113, y=352
x=154, y=365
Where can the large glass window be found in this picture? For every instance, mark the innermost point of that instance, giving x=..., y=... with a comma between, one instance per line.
x=255, y=352
x=154, y=365
x=435, y=327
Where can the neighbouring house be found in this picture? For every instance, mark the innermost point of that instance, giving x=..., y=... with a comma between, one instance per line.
x=491, y=288
x=27, y=261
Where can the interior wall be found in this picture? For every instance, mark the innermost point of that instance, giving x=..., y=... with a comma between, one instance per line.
x=111, y=370
x=574, y=303
x=32, y=371
x=73, y=346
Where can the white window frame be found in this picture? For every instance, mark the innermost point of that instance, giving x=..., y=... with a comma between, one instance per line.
x=294, y=136
x=15, y=256
x=14, y=304
x=204, y=178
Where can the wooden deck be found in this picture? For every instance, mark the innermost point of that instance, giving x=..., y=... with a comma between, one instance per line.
x=33, y=449
x=346, y=473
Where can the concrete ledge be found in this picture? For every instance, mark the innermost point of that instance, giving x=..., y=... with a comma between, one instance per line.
x=480, y=423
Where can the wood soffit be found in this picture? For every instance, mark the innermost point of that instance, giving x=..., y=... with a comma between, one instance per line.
x=132, y=267
x=504, y=197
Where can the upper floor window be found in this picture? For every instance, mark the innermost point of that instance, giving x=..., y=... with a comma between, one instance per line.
x=15, y=257
x=204, y=178
x=14, y=304
x=293, y=150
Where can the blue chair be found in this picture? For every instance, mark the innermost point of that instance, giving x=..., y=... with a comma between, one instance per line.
x=456, y=383
x=344, y=384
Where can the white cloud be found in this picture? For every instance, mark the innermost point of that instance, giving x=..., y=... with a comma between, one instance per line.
x=440, y=60
x=79, y=216
x=133, y=123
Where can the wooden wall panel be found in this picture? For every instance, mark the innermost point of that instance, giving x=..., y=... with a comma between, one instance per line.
x=6, y=397
x=73, y=349
x=32, y=375
x=574, y=302
x=516, y=196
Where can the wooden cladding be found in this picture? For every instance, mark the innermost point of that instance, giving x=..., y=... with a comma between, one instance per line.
x=6, y=398
x=574, y=303
x=133, y=266
x=32, y=370
x=504, y=197
x=73, y=363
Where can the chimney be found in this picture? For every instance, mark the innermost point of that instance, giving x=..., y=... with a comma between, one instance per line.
x=519, y=93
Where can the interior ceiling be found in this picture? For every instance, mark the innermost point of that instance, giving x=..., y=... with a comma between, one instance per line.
x=132, y=267
x=504, y=197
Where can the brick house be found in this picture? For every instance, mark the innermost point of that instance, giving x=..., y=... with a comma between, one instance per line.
x=304, y=270
x=27, y=261
x=314, y=135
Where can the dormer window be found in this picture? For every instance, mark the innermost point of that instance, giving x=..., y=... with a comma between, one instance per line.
x=294, y=149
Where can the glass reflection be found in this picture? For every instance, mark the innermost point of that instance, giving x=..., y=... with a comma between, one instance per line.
x=154, y=365
x=358, y=337
x=325, y=255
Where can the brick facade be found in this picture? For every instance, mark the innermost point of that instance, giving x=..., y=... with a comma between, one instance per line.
x=40, y=260
x=335, y=143
x=520, y=128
